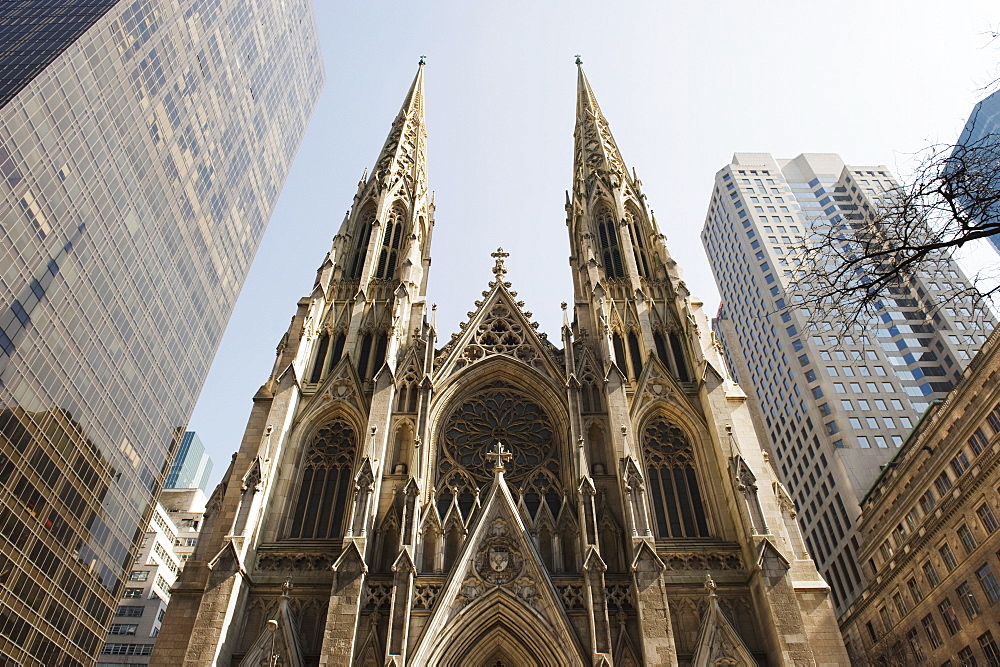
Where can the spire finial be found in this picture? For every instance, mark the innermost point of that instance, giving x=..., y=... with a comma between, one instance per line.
x=579, y=60
x=499, y=456
x=423, y=60
x=499, y=270
x=710, y=586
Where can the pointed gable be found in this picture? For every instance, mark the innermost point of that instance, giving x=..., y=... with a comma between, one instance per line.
x=341, y=386
x=718, y=643
x=280, y=637
x=499, y=327
x=499, y=587
x=657, y=385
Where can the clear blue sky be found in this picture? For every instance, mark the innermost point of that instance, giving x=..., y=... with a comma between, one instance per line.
x=683, y=84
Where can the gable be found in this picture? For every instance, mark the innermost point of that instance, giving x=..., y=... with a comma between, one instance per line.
x=499, y=327
x=498, y=588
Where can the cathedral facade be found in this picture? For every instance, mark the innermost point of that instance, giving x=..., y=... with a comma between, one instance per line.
x=499, y=499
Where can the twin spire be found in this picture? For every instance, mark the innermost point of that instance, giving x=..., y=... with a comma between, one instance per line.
x=595, y=150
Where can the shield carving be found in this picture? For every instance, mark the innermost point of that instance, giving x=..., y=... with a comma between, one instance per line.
x=499, y=558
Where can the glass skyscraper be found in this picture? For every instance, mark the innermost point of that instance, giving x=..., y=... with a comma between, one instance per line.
x=192, y=465
x=981, y=135
x=138, y=169
x=34, y=32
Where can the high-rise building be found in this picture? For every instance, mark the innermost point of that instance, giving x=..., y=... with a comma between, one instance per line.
x=192, y=465
x=499, y=500
x=835, y=402
x=138, y=170
x=33, y=33
x=931, y=536
x=978, y=149
x=168, y=543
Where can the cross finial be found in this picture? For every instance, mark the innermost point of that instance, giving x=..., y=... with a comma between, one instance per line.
x=499, y=455
x=499, y=270
x=579, y=60
x=422, y=60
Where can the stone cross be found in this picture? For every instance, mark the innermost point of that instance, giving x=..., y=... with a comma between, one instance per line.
x=499, y=455
x=499, y=270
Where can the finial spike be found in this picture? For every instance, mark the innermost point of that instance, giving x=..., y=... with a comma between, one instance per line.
x=423, y=60
x=579, y=60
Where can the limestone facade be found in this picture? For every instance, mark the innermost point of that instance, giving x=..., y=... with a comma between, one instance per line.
x=500, y=499
x=931, y=538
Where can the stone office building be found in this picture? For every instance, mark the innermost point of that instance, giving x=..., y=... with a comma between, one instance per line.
x=932, y=537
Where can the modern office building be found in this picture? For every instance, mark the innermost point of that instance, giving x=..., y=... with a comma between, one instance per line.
x=978, y=149
x=931, y=537
x=834, y=402
x=170, y=539
x=33, y=33
x=138, y=170
x=192, y=465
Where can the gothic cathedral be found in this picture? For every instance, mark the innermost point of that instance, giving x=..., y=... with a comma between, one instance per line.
x=499, y=500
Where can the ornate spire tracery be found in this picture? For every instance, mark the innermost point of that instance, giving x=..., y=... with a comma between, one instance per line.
x=403, y=153
x=596, y=152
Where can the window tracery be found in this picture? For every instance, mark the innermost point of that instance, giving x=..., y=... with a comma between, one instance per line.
x=498, y=412
x=607, y=234
x=363, y=232
x=391, y=241
x=638, y=242
x=672, y=480
x=326, y=482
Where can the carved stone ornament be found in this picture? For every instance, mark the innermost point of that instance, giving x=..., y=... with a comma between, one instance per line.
x=499, y=560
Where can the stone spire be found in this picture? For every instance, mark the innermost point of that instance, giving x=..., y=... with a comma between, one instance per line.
x=403, y=153
x=596, y=153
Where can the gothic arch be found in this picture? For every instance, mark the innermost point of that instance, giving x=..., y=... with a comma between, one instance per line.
x=640, y=242
x=550, y=396
x=675, y=481
x=362, y=234
x=608, y=240
x=320, y=494
x=499, y=625
x=393, y=234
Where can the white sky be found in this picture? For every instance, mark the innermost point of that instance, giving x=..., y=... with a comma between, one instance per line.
x=684, y=85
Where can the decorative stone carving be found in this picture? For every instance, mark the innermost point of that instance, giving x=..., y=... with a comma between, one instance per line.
x=620, y=597
x=498, y=560
x=293, y=562
x=571, y=596
x=424, y=595
x=377, y=596
x=703, y=561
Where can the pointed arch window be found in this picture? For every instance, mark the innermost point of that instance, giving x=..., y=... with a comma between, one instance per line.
x=638, y=240
x=326, y=482
x=370, y=361
x=661, y=349
x=635, y=351
x=607, y=234
x=321, y=349
x=363, y=233
x=673, y=482
x=679, y=358
x=670, y=351
x=392, y=238
x=619, y=348
x=338, y=349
